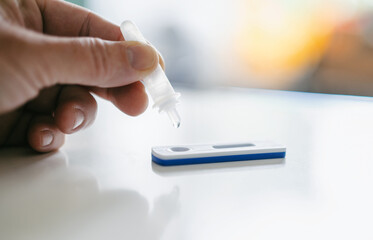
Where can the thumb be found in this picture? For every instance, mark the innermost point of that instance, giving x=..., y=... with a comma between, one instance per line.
x=95, y=62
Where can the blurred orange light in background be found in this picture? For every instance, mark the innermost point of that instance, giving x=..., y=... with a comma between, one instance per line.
x=280, y=41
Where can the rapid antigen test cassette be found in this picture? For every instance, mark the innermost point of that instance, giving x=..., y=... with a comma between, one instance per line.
x=213, y=153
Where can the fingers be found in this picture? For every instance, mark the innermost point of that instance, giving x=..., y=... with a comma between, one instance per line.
x=94, y=62
x=47, y=61
x=43, y=130
x=43, y=135
x=76, y=109
x=72, y=20
x=131, y=99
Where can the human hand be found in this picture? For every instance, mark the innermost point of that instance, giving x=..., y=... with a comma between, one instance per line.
x=53, y=55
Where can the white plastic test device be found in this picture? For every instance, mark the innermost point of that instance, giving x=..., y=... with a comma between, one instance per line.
x=213, y=153
x=157, y=84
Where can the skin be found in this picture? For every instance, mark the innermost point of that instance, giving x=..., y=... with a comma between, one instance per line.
x=53, y=56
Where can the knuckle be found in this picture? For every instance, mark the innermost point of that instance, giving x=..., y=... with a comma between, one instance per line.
x=99, y=59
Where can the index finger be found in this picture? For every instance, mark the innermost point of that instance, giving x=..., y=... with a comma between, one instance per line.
x=66, y=19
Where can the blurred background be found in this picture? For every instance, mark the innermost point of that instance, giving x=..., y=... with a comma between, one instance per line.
x=304, y=45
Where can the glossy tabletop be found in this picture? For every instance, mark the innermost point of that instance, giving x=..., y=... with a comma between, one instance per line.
x=103, y=185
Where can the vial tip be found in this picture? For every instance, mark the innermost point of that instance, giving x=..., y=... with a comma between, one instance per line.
x=176, y=124
x=174, y=116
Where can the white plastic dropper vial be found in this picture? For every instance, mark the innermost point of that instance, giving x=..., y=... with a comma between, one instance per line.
x=157, y=84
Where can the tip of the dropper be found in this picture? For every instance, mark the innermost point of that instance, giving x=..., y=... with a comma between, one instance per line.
x=176, y=124
x=174, y=116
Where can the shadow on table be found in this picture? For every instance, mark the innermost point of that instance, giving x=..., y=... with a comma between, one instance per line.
x=217, y=167
x=42, y=197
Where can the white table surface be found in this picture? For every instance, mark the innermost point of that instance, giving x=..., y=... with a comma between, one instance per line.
x=103, y=185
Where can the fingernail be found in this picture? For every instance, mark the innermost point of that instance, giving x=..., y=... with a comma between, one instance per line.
x=79, y=118
x=141, y=57
x=46, y=137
